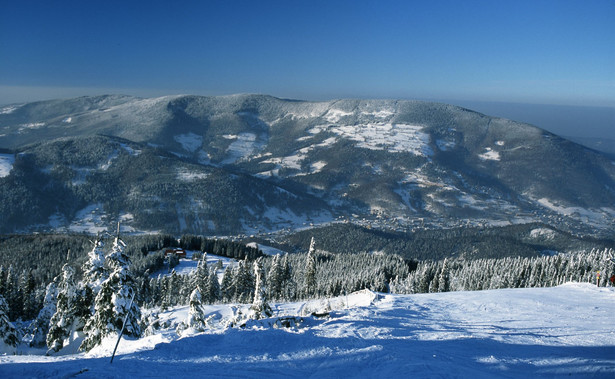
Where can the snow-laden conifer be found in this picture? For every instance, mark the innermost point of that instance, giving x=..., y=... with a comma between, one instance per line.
x=94, y=272
x=196, y=316
x=29, y=295
x=275, y=278
x=227, y=290
x=114, y=302
x=200, y=279
x=309, y=285
x=243, y=283
x=40, y=326
x=214, y=286
x=260, y=308
x=8, y=336
x=444, y=283
x=289, y=285
x=64, y=323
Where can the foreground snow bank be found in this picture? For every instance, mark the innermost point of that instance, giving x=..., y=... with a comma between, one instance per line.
x=561, y=331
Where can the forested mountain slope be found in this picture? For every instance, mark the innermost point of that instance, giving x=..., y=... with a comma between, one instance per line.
x=254, y=164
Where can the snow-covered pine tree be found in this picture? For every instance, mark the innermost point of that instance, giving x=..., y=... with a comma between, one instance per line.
x=173, y=289
x=444, y=281
x=196, y=316
x=113, y=303
x=243, y=283
x=28, y=292
x=94, y=271
x=100, y=324
x=309, y=286
x=274, y=278
x=200, y=279
x=40, y=326
x=154, y=293
x=8, y=336
x=63, y=323
x=2, y=281
x=13, y=295
x=214, y=286
x=434, y=284
x=260, y=308
x=227, y=291
x=124, y=283
x=289, y=286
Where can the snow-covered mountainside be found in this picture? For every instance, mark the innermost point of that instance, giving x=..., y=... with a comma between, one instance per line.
x=287, y=164
x=540, y=332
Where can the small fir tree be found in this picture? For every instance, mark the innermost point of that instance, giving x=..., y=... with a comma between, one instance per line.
x=196, y=316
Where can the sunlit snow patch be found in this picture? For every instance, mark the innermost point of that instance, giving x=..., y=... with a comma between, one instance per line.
x=267, y=250
x=490, y=155
x=9, y=109
x=31, y=125
x=245, y=145
x=542, y=233
x=317, y=166
x=6, y=164
x=382, y=113
x=190, y=176
x=334, y=115
x=397, y=138
x=130, y=150
x=89, y=220
x=189, y=141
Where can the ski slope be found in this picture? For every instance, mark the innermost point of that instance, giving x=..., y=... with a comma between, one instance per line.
x=565, y=331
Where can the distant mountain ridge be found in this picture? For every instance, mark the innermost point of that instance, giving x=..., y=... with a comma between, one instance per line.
x=255, y=164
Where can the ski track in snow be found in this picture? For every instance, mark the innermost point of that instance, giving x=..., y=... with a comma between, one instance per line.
x=545, y=332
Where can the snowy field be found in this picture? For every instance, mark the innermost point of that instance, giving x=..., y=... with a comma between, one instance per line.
x=566, y=331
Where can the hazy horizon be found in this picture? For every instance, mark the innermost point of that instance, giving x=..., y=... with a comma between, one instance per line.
x=593, y=122
x=546, y=52
x=526, y=60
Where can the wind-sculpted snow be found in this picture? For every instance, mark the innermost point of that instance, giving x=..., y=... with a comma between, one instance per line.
x=564, y=331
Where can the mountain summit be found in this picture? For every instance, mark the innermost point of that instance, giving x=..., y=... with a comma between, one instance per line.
x=255, y=163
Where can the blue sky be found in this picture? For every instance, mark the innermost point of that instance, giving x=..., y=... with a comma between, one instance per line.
x=551, y=52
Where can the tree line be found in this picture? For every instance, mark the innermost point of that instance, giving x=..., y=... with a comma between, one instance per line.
x=113, y=286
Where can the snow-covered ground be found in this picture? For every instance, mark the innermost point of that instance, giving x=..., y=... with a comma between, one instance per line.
x=187, y=265
x=267, y=250
x=566, y=331
x=6, y=164
x=381, y=136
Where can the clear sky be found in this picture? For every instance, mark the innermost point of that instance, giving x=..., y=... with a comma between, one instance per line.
x=538, y=51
